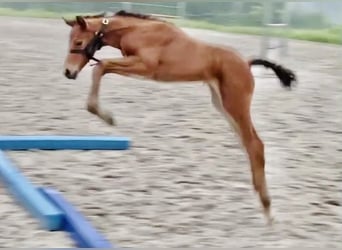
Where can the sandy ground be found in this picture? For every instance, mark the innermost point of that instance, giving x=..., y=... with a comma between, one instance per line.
x=185, y=182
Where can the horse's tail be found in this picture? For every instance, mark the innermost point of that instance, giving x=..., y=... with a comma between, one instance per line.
x=286, y=76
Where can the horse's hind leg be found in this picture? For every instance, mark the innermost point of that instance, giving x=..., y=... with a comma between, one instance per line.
x=217, y=102
x=255, y=149
x=234, y=104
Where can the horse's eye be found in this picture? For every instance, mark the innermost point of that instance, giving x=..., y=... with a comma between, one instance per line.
x=78, y=43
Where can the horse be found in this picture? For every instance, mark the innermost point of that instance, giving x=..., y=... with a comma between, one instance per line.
x=158, y=50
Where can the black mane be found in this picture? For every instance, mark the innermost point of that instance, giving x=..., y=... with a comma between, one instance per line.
x=124, y=13
x=131, y=14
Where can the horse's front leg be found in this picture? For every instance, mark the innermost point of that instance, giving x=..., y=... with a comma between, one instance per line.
x=124, y=66
x=93, y=96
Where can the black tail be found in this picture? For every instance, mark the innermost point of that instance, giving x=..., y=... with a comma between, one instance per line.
x=286, y=76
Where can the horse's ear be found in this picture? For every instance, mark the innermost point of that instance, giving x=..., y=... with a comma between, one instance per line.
x=81, y=22
x=69, y=22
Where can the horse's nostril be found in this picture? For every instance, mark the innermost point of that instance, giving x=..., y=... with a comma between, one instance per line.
x=70, y=75
x=67, y=73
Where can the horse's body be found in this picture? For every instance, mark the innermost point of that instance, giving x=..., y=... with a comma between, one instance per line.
x=160, y=51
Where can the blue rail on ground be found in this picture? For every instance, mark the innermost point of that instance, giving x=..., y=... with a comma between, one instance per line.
x=81, y=231
x=50, y=142
x=50, y=216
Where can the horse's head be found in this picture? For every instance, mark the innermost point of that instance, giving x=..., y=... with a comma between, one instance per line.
x=85, y=39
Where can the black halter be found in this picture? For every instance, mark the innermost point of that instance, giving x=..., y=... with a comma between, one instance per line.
x=95, y=44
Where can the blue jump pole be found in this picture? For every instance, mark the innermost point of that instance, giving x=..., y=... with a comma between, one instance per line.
x=42, y=142
x=50, y=216
x=80, y=230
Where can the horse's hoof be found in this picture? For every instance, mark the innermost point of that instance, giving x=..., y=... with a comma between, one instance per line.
x=270, y=221
x=110, y=120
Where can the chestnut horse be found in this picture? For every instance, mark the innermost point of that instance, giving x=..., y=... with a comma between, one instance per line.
x=158, y=50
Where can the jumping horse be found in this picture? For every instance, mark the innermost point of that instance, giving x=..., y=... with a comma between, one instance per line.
x=158, y=50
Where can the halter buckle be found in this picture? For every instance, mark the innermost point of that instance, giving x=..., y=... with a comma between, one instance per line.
x=105, y=21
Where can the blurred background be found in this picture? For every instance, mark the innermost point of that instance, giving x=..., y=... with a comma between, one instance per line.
x=319, y=21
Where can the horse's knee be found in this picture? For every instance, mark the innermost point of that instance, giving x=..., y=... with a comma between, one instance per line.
x=99, y=69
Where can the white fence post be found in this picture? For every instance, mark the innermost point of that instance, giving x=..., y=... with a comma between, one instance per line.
x=181, y=9
x=284, y=44
x=281, y=42
x=266, y=20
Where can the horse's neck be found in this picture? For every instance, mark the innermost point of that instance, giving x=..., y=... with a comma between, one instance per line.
x=116, y=31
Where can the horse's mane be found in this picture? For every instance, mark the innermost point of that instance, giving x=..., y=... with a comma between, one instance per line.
x=124, y=13
x=136, y=15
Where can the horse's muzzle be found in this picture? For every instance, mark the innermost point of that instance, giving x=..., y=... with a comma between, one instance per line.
x=70, y=75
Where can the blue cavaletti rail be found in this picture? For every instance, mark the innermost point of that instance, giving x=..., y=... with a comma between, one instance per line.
x=30, y=142
x=48, y=205
x=80, y=230
x=50, y=216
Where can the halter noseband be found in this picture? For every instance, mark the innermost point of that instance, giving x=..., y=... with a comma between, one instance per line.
x=94, y=44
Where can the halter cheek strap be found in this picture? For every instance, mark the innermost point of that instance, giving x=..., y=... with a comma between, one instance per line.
x=96, y=43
